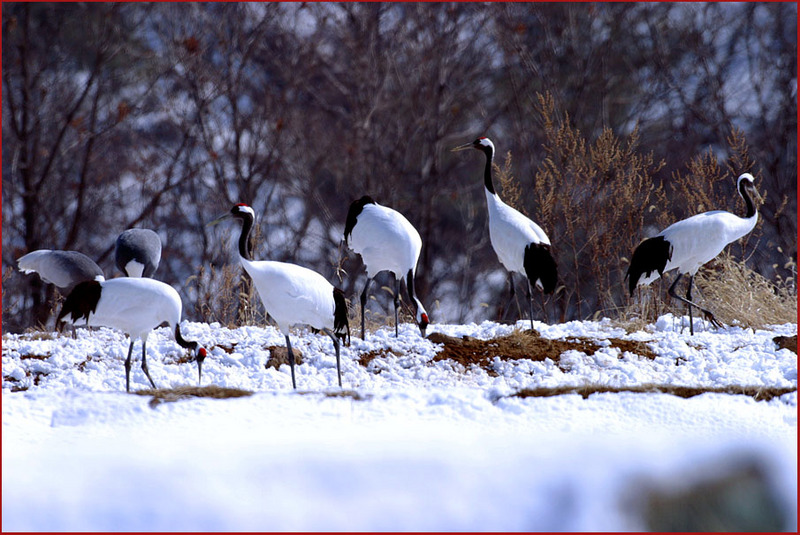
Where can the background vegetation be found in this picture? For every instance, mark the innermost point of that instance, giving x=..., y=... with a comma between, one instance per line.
x=620, y=118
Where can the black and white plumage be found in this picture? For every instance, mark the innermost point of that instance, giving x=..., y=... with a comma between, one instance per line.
x=521, y=245
x=690, y=243
x=135, y=306
x=386, y=241
x=292, y=294
x=138, y=252
x=64, y=269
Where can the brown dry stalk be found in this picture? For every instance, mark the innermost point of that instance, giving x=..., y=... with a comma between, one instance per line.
x=758, y=393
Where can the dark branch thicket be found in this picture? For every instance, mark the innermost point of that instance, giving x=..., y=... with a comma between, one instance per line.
x=610, y=120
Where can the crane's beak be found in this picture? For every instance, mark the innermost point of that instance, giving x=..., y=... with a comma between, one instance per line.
x=462, y=147
x=218, y=220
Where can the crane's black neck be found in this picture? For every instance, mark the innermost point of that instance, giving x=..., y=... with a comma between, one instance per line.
x=748, y=201
x=487, y=172
x=244, y=237
x=182, y=341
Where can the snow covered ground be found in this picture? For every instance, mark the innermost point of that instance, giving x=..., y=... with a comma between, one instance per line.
x=415, y=444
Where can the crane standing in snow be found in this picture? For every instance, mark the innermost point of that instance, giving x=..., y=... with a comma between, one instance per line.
x=386, y=241
x=292, y=294
x=690, y=243
x=137, y=252
x=135, y=306
x=521, y=245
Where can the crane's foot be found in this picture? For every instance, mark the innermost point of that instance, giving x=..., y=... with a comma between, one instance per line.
x=711, y=319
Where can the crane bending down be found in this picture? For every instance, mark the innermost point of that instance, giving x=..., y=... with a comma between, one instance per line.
x=690, y=243
x=521, y=245
x=137, y=252
x=134, y=306
x=386, y=241
x=292, y=294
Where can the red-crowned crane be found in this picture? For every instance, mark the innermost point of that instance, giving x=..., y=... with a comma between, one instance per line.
x=386, y=241
x=134, y=306
x=690, y=243
x=137, y=252
x=521, y=245
x=292, y=294
x=64, y=269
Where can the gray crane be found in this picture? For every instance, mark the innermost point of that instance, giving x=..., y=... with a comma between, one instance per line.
x=138, y=252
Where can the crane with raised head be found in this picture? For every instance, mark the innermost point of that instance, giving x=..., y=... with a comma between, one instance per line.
x=520, y=244
x=292, y=294
x=690, y=243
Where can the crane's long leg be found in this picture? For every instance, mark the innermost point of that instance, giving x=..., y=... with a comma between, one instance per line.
x=338, y=360
x=144, y=363
x=396, y=306
x=689, y=298
x=707, y=313
x=530, y=302
x=512, y=297
x=128, y=368
x=291, y=360
x=364, y=304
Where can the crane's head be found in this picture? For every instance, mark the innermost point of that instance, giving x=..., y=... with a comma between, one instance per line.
x=483, y=144
x=199, y=356
x=422, y=320
x=746, y=185
x=239, y=211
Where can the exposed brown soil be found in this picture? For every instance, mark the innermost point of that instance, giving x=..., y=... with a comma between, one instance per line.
x=34, y=357
x=365, y=358
x=787, y=342
x=529, y=345
x=758, y=393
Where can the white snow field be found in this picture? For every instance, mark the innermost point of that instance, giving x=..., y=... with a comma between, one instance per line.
x=409, y=444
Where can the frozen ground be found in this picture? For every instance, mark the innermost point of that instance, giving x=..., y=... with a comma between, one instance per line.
x=414, y=445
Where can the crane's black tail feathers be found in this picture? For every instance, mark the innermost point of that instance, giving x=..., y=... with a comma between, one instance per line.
x=81, y=301
x=341, y=326
x=540, y=265
x=650, y=255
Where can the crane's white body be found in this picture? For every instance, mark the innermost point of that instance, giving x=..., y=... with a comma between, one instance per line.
x=64, y=269
x=135, y=306
x=510, y=233
x=386, y=241
x=292, y=294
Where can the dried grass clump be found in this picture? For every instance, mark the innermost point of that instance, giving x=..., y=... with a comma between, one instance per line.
x=279, y=355
x=738, y=295
x=593, y=199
